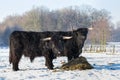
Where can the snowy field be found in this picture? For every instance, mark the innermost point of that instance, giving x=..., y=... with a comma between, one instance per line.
x=106, y=67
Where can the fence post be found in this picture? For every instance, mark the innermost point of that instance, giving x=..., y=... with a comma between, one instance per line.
x=113, y=49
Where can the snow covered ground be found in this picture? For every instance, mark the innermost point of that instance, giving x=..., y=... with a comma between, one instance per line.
x=106, y=67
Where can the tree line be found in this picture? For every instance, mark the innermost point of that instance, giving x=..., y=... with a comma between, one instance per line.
x=66, y=19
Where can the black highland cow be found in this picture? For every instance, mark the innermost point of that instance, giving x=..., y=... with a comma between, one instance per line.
x=73, y=46
x=30, y=44
x=48, y=44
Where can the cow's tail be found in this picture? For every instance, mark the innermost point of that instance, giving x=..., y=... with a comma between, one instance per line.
x=10, y=52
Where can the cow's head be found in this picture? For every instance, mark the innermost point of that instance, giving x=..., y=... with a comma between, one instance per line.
x=81, y=34
x=55, y=43
x=84, y=31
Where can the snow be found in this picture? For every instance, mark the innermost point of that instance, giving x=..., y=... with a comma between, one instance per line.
x=106, y=67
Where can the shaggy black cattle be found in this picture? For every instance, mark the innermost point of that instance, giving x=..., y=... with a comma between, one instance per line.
x=48, y=44
x=73, y=46
x=31, y=44
x=74, y=42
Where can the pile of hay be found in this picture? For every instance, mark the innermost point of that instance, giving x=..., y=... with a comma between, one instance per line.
x=80, y=63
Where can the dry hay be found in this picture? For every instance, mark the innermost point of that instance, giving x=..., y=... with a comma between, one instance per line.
x=80, y=63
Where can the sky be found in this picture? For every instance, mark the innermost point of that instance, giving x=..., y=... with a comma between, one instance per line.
x=13, y=7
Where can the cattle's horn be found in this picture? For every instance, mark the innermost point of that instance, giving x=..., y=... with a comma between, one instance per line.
x=46, y=39
x=67, y=37
x=90, y=28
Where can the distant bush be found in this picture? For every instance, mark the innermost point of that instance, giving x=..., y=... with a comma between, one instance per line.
x=5, y=35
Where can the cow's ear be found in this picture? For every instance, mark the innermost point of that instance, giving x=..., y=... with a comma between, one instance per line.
x=67, y=37
x=46, y=39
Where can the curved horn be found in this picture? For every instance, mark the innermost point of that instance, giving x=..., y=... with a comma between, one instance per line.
x=46, y=39
x=67, y=37
x=91, y=28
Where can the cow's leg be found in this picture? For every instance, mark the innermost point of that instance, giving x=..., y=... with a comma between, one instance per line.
x=32, y=58
x=69, y=57
x=16, y=61
x=15, y=66
x=76, y=55
x=48, y=62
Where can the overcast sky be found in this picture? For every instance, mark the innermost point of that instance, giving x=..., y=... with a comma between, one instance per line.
x=12, y=7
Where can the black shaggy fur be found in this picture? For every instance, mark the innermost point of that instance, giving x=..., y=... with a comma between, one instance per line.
x=31, y=44
x=73, y=47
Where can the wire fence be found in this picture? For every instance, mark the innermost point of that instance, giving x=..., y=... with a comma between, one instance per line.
x=110, y=49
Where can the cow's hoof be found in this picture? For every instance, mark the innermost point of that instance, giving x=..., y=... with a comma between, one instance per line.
x=48, y=66
x=16, y=69
x=51, y=68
